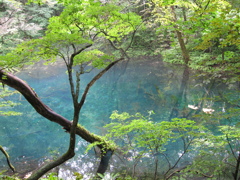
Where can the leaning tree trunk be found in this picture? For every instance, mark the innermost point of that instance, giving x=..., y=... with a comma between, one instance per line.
x=30, y=95
x=106, y=148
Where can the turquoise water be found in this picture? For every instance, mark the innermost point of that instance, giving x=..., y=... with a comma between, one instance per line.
x=137, y=87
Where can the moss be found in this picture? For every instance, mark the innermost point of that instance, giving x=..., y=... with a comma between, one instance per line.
x=96, y=140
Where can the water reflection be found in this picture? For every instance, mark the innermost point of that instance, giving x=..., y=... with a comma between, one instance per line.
x=139, y=87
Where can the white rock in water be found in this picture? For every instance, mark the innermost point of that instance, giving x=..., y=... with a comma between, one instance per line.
x=27, y=175
x=192, y=107
x=208, y=110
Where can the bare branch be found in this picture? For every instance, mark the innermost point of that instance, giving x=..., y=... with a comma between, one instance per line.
x=8, y=158
x=228, y=141
x=99, y=75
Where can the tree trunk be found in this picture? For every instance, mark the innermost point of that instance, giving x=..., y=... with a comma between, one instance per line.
x=181, y=98
x=41, y=108
x=235, y=174
x=185, y=53
x=45, y=111
x=44, y=169
x=104, y=162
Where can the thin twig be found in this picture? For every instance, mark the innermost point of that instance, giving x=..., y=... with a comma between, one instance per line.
x=8, y=158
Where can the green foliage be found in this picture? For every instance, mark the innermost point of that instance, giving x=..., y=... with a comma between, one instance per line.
x=211, y=151
x=150, y=139
x=210, y=30
x=94, y=58
x=72, y=33
x=103, y=141
x=5, y=177
x=6, y=105
x=51, y=176
x=147, y=43
x=20, y=22
x=173, y=55
x=78, y=176
x=216, y=153
x=149, y=132
x=223, y=30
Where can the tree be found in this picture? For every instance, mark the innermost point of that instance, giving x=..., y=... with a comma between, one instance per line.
x=139, y=137
x=73, y=37
x=211, y=26
x=179, y=148
x=20, y=22
x=217, y=156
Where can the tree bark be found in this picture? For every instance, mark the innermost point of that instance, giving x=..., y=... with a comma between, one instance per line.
x=104, y=162
x=235, y=174
x=30, y=95
x=45, y=111
x=44, y=169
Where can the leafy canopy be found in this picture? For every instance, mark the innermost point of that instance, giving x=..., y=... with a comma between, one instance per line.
x=210, y=152
x=79, y=26
x=210, y=30
x=145, y=133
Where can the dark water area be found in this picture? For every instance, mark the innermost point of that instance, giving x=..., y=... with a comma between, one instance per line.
x=135, y=86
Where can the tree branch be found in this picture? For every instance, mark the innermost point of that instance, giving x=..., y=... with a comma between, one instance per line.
x=42, y=109
x=7, y=157
x=99, y=75
x=235, y=174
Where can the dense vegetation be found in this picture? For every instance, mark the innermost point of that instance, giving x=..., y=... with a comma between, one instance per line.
x=199, y=35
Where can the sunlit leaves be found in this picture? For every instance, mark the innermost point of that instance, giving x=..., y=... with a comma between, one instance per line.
x=224, y=30
x=230, y=132
x=164, y=11
x=149, y=134
x=210, y=31
x=218, y=151
x=93, y=58
x=210, y=151
x=80, y=24
x=7, y=105
x=94, y=17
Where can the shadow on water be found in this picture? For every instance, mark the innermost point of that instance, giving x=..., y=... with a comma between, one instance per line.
x=140, y=86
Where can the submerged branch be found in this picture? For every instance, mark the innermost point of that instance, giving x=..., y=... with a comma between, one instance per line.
x=8, y=158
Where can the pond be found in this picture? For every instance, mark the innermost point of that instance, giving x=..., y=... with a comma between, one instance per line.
x=139, y=85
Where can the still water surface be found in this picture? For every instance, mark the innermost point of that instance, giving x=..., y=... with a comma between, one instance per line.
x=138, y=87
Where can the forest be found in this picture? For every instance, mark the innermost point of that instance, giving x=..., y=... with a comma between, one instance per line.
x=120, y=89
